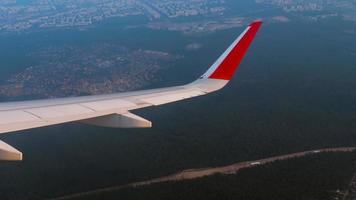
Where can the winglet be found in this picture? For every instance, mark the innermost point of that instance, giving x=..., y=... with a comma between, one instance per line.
x=225, y=67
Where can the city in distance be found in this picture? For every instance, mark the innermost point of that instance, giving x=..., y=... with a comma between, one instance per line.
x=291, y=98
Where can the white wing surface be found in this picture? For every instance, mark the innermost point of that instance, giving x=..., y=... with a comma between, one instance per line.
x=114, y=110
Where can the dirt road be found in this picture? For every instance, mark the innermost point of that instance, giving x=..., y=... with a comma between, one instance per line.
x=198, y=173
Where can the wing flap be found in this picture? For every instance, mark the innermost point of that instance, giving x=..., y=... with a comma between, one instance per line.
x=59, y=111
x=12, y=125
x=16, y=116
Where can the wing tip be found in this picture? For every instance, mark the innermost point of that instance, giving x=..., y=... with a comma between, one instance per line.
x=225, y=67
x=257, y=22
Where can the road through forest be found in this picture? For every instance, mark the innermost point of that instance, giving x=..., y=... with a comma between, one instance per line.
x=198, y=173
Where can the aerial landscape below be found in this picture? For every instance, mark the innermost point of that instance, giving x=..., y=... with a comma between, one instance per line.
x=283, y=128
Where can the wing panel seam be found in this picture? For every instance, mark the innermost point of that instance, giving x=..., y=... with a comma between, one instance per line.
x=87, y=107
x=37, y=116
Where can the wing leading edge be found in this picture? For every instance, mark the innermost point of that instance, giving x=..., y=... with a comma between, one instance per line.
x=114, y=110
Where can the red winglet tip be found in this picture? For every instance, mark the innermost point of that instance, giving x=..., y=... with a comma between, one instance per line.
x=257, y=22
x=231, y=62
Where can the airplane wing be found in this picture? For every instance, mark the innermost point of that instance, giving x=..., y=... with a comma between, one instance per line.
x=114, y=110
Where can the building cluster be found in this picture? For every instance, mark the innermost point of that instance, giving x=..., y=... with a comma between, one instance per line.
x=85, y=71
x=183, y=8
x=298, y=5
x=46, y=13
x=16, y=16
x=312, y=5
x=201, y=26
